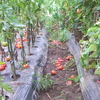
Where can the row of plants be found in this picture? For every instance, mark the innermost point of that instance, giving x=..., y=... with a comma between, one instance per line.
x=19, y=20
x=90, y=58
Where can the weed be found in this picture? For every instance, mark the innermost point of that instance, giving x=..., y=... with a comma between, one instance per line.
x=76, y=79
x=45, y=82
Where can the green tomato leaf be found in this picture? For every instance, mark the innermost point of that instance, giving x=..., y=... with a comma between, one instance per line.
x=6, y=87
x=97, y=71
x=92, y=47
x=5, y=26
x=98, y=8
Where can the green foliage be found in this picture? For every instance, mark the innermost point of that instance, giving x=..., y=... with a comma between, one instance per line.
x=97, y=71
x=46, y=82
x=90, y=56
x=60, y=35
x=5, y=86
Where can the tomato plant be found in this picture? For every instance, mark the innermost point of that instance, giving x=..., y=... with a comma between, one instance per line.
x=90, y=52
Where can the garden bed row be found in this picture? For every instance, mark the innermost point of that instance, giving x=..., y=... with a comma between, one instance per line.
x=88, y=82
x=26, y=86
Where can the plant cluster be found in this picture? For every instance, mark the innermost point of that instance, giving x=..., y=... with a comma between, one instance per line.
x=90, y=53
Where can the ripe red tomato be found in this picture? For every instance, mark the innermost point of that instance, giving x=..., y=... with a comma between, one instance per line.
x=60, y=68
x=24, y=39
x=60, y=60
x=72, y=76
x=7, y=58
x=68, y=58
x=2, y=67
x=19, y=46
x=2, y=52
x=25, y=31
x=68, y=82
x=18, y=39
x=78, y=11
x=57, y=65
x=53, y=72
x=25, y=65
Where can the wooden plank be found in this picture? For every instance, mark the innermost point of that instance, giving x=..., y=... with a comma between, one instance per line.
x=88, y=82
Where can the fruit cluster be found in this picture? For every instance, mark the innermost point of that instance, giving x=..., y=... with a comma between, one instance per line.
x=59, y=64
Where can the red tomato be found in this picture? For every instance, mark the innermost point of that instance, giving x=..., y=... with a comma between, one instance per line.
x=19, y=46
x=78, y=11
x=57, y=65
x=60, y=68
x=25, y=65
x=2, y=67
x=68, y=58
x=72, y=76
x=25, y=32
x=59, y=59
x=7, y=58
x=18, y=39
x=58, y=62
x=53, y=72
x=32, y=30
x=68, y=82
x=2, y=52
x=24, y=39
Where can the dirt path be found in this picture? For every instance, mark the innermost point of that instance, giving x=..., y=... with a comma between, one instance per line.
x=61, y=90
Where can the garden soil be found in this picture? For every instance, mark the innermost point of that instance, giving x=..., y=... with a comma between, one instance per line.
x=60, y=89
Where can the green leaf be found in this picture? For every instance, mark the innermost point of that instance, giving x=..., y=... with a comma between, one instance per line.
x=91, y=65
x=5, y=25
x=92, y=47
x=98, y=8
x=14, y=21
x=97, y=71
x=6, y=87
x=1, y=63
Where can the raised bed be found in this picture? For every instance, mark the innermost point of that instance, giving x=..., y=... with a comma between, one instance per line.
x=27, y=84
x=89, y=87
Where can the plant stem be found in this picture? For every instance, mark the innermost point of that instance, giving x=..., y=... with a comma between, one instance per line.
x=12, y=58
x=28, y=38
x=23, y=51
x=33, y=37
